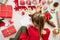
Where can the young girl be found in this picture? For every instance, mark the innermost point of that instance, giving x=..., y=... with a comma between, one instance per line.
x=37, y=30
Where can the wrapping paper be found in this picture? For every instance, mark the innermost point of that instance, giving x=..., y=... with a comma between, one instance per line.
x=8, y=31
x=6, y=11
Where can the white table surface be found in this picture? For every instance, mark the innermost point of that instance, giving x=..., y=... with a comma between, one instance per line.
x=24, y=20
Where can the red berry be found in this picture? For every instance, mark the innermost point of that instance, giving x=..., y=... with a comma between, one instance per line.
x=10, y=21
x=2, y=24
x=23, y=13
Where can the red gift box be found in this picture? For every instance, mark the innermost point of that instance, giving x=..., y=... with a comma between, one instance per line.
x=47, y=15
x=8, y=31
x=5, y=11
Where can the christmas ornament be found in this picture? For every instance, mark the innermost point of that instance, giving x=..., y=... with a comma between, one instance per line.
x=45, y=7
x=50, y=1
x=22, y=2
x=23, y=13
x=18, y=6
x=8, y=31
x=56, y=4
x=56, y=31
x=43, y=2
x=28, y=2
x=34, y=2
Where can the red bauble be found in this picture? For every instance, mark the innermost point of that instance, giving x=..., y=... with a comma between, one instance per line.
x=22, y=2
x=2, y=24
x=28, y=2
x=23, y=13
x=34, y=2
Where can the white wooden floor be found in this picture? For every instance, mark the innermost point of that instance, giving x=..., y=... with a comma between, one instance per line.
x=24, y=20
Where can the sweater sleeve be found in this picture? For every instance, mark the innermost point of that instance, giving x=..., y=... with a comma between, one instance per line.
x=48, y=32
x=46, y=36
x=23, y=36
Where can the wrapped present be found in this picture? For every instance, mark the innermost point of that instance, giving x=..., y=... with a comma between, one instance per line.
x=8, y=31
x=48, y=15
x=5, y=11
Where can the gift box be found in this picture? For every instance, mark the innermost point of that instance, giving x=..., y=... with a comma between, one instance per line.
x=47, y=16
x=5, y=11
x=8, y=31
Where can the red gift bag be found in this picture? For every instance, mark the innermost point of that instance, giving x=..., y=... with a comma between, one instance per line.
x=8, y=31
x=5, y=11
